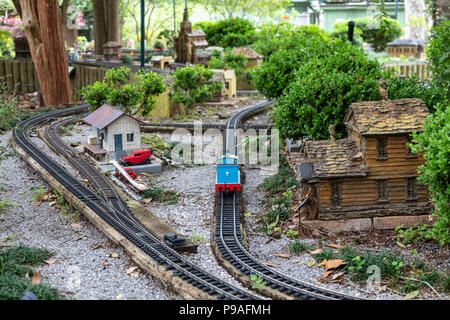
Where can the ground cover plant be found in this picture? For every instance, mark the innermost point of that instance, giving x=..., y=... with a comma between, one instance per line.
x=16, y=273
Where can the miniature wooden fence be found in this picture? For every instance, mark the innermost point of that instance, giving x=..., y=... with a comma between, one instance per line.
x=19, y=74
x=408, y=69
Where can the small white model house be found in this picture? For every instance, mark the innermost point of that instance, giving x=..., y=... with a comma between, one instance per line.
x=114, y=130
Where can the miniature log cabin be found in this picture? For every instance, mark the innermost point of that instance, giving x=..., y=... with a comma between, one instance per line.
x=406, y=48
x=372, y=172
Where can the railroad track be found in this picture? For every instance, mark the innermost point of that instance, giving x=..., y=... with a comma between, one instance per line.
x=115, y=212
x=229, y=239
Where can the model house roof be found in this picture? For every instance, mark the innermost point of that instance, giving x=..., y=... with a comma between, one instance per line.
x=104, y=116
x=387, y=117
x=406, y=42
x=249, y=53
x=197, y=33
x=333, y=159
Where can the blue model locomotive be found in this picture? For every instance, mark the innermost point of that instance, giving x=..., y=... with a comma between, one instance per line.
x=228, y=178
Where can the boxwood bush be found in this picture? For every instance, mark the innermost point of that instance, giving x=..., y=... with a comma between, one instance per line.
x=228, y=33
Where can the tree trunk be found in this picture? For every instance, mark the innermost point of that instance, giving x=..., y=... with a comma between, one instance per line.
x=42, y=23
x=106, y=23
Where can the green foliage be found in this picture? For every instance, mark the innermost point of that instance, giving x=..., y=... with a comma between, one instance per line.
x=434, y=142
x=195, y=237
x=413, y=234
x=340, y=30
x=229, y=61
x=192, y=85
x=228, y=33
x=438, y=53
x=412, y=87
x=319, y=90
x=298, y=247
x=116, y=89
x=258, y=282
x=379, y=31
x=127, y=59
x=15, y=265
x=8, y=106
x=6, y=44
x=161, y=195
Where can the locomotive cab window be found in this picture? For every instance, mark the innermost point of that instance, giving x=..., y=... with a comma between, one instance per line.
x=382, y=150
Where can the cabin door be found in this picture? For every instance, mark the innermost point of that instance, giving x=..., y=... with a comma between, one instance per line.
x=118, y=142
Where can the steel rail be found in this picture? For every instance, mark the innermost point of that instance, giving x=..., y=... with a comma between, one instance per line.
x=123, y=220
x=229, y=238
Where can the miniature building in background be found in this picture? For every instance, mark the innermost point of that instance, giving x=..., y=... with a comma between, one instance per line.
x=112, y=51
x=406, y=48
x=228, y=80
x=161, y=62
x=371, y=173
x=188, y=42
x=254, y=59
x=113, y=130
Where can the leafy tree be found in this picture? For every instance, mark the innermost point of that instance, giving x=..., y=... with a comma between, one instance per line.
x=435, y=143
x=379, y=31
x=230, y=61
x=319, y=89
x=228, y=33
x=438, y=53
x=6, y=44
x=193, y=85
x=116, y=89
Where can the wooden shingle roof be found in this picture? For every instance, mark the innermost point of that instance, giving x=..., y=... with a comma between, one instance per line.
x=387, y=117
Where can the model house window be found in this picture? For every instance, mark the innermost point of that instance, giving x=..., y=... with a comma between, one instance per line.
x=382, y=190
x=335, y=195
x=227, y=85
x=410, y=153
x=130, y=137
x=382, y=148
x=411, y=188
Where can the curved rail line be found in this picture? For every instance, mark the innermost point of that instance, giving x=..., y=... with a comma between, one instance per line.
x=116, y=213
x=229, y=238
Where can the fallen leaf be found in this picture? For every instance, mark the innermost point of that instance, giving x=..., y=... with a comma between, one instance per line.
x=317, y=251
x=337, y=275
x=106, y=263
x=135, y=274
x=37, y=203
x=381, y=289
x=270, y=264
x=326, y=274
x=97, y=246
x=332, y=264
x=76, y=225
x=148, y=200
x=401, y=245
x=50, y=261
x=114, y=255
x=81, y=237
x=412, y=295
x=286, y=256
x=336, y=246
x=51, y=204
x=131, y=270
x=310, y=263
x=36, y=278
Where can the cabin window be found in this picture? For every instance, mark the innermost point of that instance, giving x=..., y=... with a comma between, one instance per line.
x=227, y=85
x=130, y=137
x=411, y=188
x=410, y=153
x=382, y=148
x=382, y=190
x=335, y=195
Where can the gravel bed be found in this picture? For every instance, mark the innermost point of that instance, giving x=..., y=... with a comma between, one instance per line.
x=76, y=245
x=193, y=214
x=296, y=266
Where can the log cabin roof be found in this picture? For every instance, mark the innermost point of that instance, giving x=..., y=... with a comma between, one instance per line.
x=329, y=159
x=248, y=53
x=387, y=117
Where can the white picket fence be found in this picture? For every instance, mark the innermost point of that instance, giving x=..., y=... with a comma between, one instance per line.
x=408, y=69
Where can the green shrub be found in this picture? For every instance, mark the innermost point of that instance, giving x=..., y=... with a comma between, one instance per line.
x=230, y=61
x=116, y=89
x=340, y=30
x=191, y=85
x=6, y=45
x=228, y=33
x=412, y=87
x=438, y=53
x=379, y=31
x=8, y=106
x=434, y=142
x=322, y=88
x=298, y=247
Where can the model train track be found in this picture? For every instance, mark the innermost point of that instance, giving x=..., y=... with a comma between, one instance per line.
x=229, y=239
x=115, y=212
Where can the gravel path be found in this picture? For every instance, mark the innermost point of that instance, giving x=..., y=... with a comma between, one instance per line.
x=77, y=245
x=297, y=266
